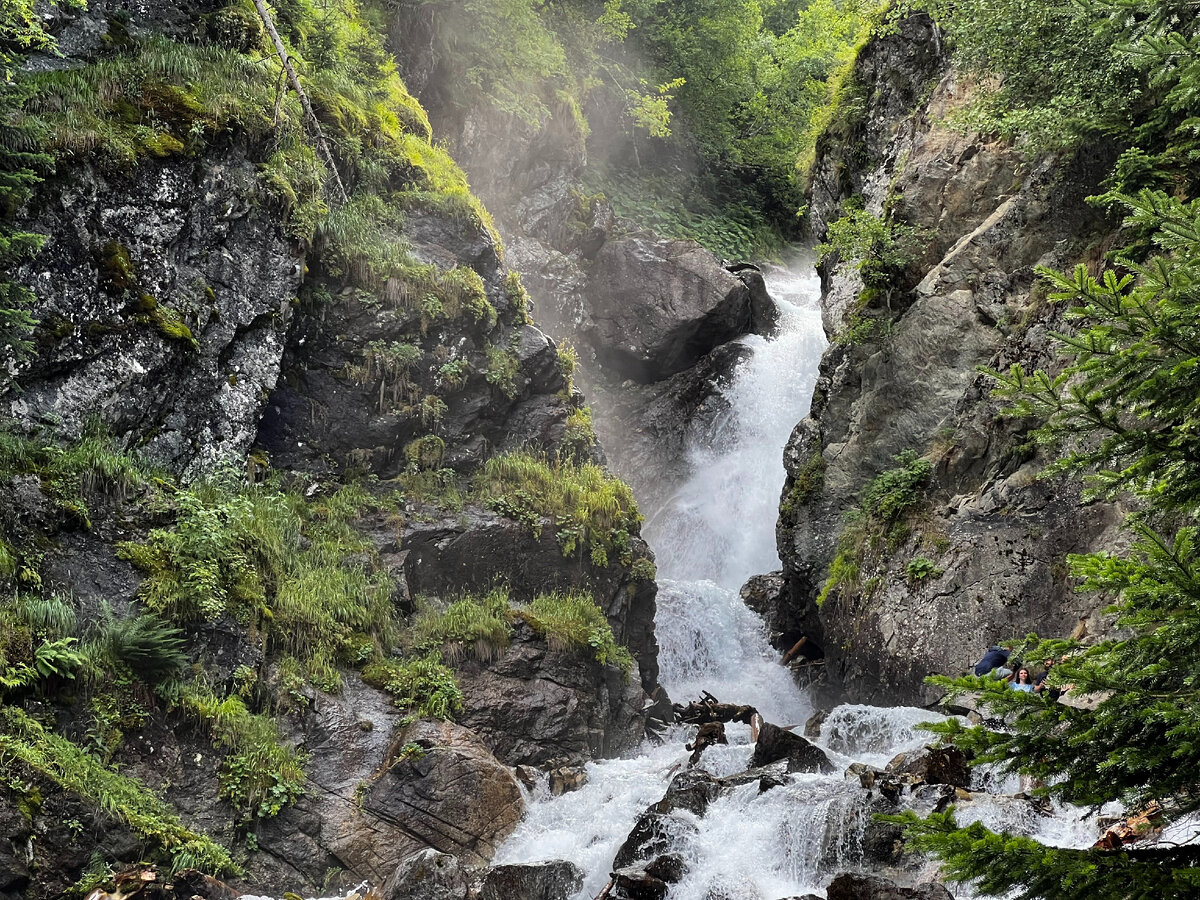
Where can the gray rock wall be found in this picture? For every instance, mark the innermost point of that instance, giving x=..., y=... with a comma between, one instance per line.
x=990, y=535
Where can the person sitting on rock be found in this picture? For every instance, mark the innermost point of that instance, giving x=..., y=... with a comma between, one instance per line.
x=994, y=662
x=1021, y=681
x=1041, y=687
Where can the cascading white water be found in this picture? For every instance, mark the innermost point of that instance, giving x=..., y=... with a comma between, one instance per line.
x=720, y=525
x=717, y=530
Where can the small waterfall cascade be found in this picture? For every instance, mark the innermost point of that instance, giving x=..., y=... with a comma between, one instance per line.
x=716, y=531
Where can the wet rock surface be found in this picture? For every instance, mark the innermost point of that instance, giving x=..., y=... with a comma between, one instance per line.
x=852, y=886
x=442, y=789
x=775, y=743
x=934, y=765
x=427, y=875
x=554, y=880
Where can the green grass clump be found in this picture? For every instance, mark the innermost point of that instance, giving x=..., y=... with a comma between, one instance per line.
x=502, y=371
x=260, y=774
x=422, y=684
x=573, y=619
x=294, y=570
x=25, y=741
x=579, y=436
x=590, y=509
x=879, y=525
x=481, y=626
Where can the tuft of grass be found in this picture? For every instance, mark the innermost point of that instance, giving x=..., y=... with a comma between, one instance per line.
x=478, y=625
x=25, y=741
x=573, y=619
x=590, y=509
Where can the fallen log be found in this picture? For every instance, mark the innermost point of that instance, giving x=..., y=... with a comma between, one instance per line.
x=710, y=733
x=709, y=709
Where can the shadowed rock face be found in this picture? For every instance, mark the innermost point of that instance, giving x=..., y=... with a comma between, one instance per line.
x=554, y=880
x=656, y=307
x=989, y=536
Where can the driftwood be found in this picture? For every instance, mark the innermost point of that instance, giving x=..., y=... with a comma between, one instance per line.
x=710, y=733
x=709, y=709
x=1143, y=824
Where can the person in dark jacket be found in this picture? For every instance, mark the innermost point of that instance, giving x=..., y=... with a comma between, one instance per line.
x=994, y=659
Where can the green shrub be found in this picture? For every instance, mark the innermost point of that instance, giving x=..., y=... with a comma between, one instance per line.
x=295, y=569
x=143, y=646
x=579, y=435
x=503, y=368
x=919, y=568
x=572, y=620
x=879, y=524
x=643, y=569
x=421, y=684
x=895, y=491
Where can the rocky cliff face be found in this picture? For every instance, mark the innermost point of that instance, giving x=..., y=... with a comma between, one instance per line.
x=181, y=319
x=978, y=552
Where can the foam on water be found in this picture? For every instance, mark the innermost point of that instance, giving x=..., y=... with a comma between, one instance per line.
x=720, y=525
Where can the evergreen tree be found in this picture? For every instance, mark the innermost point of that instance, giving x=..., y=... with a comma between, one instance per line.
x=1127, y=409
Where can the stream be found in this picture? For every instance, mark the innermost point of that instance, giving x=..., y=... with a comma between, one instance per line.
x=716, y=531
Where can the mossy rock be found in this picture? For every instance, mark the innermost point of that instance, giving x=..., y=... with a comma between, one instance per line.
x=237, y=28
x=426, y=452
x=117, y=271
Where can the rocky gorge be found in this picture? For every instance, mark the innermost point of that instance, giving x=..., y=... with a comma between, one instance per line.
x=364, y=476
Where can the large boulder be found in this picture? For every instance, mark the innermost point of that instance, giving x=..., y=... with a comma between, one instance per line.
x=427, y=875
x=657, y=828
x=657, y=306
x=934, y=765
x=440, y=788
x=553, y=880
x=775, y=743
x=856, y=886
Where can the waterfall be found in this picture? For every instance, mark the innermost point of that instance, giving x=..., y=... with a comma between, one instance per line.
x=720, y=525
x=717, y=530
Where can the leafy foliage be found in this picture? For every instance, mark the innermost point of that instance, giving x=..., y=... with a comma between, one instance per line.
x=878, y=525
x=260, y=774
x=878, y=248
x=1125, y=405
x=293, y=569
x=422, y=684
x=1069, y=71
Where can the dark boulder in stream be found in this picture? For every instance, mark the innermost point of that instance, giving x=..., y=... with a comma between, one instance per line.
x=775, y=743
